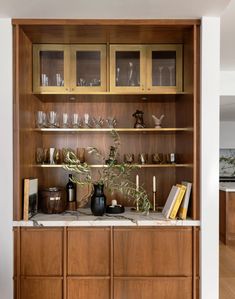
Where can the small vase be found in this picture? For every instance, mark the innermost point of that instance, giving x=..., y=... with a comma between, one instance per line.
x=98, y=200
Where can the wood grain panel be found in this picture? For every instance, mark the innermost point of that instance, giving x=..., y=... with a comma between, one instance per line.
x=89, y=252
x=222, y=216
x=230, y=219
x=41, y=252
x=107, y=31
x=88, y=288
x=153, y=252
x=162, y=288
x=25, y=106
x=46, y=288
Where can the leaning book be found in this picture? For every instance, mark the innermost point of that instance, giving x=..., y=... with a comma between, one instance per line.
x=30, y=198
x=185, y=203
x=170, y=201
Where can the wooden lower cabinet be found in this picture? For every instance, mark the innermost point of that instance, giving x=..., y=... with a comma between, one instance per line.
x=41, y=288
x=151, y=288
x=106, y=263
x=90, y=288
x=41, y=251
x=153, y=252
x=89, y=251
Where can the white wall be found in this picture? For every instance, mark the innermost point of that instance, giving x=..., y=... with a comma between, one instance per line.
x=6, y=196
x=227, y=134
x=210, y=81
x=227, y=86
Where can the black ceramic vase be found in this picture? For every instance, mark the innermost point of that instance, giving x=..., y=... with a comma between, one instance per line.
x=98, y=200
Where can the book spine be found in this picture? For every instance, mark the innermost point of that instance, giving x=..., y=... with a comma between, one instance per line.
x=26, y=200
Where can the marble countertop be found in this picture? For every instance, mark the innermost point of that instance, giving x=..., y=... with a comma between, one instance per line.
x=227, y=186
x=83, y=217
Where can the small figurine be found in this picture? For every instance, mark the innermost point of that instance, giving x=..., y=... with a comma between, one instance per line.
x=158, y=121
x=112, y=156
x=139, y=121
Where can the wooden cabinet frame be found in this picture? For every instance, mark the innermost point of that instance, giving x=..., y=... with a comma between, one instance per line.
x=37, y=88
x=88, y=89
x=178, y=72
x=127, y=89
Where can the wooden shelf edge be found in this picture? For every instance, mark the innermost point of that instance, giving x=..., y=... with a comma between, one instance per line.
x=102, y=166
x=109, y=93
x=71, y=130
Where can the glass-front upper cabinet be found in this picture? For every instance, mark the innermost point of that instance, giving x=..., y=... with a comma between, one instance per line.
x=51, y=68
x=164, y=68
x=88, y=68
x=127, y=68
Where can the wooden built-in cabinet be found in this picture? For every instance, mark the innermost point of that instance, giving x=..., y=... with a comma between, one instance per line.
x=158, y=287
x=108, y=68
x=146, y=68
x=106, y=262
x=65, y=68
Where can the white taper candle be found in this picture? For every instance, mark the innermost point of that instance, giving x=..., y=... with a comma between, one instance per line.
x=137, y=182
x=154, y=183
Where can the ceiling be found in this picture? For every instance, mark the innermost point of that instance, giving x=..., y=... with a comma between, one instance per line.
x=106, y=9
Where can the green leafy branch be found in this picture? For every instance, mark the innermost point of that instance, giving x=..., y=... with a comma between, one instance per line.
x=114, y=177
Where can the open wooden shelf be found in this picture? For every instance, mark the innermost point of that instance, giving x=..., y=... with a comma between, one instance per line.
x=102, y=166
x=74, y=130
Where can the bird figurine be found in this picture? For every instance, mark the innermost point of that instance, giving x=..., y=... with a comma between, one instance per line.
x=158, y=121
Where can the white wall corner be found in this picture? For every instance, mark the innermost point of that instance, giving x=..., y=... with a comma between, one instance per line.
x=6, y=173
x=210, y=91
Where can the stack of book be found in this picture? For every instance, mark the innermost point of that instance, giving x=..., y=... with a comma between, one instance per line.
x=177, y=202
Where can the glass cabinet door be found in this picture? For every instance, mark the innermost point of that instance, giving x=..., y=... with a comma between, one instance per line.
x=127, y=72
x=88, y=67
x=51, y=67
x=164, y=68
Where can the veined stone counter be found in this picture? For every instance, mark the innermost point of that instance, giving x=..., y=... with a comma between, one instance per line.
x=83, y=217
x=227, y=186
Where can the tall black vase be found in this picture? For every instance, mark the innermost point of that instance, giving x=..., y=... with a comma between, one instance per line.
x=98, y=200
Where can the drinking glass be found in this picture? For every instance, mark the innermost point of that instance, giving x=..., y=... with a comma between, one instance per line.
x=75, y=120
x=65, y=120
x=40, y=119
x=143, y=158
x=52, y=119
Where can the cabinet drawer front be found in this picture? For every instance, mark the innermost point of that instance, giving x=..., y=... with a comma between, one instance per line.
x=162, y=288
x=88, y=288
x=89, y=251
x=153, y=252
x=41, y=252
x=43, y=288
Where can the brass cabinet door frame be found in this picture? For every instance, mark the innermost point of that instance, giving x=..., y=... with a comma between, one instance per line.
x=127, y=89
x=88, y=89
x=37, y=88
x=178, y=74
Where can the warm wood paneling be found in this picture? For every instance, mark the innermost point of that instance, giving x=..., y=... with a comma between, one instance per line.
x=89, y=252
x=153, y=252
x=227, y=219
x=162, y=288
x=98, y=288
x=41, y=288
x=41, y=252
